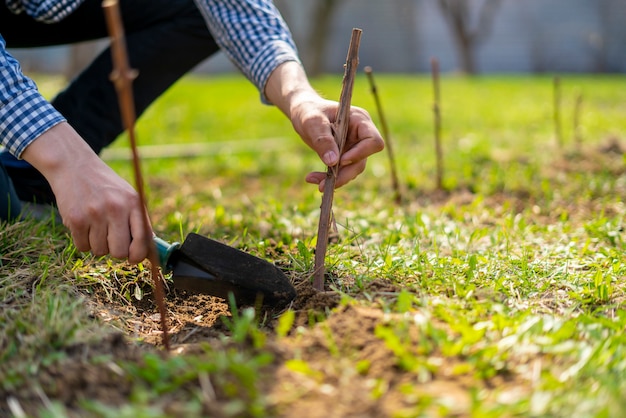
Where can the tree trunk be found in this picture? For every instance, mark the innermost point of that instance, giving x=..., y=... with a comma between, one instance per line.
x=458, y=15
x=320, y=33
x=466, y=49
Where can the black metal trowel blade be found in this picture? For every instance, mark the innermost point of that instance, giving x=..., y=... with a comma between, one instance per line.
x=203, y=265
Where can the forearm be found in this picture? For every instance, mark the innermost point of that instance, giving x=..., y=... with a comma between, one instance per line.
x=60, y=148
x=24, y=113
x=288, y=86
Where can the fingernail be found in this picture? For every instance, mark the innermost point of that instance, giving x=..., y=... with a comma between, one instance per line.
x=330, y=158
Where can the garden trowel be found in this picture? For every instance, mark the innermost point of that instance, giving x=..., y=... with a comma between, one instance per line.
x=203, y=265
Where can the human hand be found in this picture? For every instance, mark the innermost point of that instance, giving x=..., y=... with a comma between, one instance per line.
x=313, y=120
x=313, y=117
x=101, y=210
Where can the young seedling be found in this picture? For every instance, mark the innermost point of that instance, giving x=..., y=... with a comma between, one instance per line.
x=122, y=77
x=340, y=131
x=383, y=123
x=434, y=63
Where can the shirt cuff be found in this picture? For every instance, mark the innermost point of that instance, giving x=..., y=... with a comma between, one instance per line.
x=24, y=119
x=267, y=60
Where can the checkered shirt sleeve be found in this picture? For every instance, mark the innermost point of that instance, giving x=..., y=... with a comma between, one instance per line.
x=46, y=11
x=253, y=35
x=24, y=113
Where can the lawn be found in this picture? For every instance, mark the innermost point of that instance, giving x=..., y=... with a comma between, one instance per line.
x=501, y=294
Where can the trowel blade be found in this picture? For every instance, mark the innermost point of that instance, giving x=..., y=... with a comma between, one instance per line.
x=203, y=265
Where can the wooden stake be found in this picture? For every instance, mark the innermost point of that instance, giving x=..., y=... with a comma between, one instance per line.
x=340, y=131
x=578, y=140
x=434, y=63
x=556, y=83
x=383, y=123
x=122, y=77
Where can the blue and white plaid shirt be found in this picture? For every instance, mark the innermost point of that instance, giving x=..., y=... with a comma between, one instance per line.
x=251, y=32
x=46, y=11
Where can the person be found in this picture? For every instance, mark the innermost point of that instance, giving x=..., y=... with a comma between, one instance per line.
x=51, y=148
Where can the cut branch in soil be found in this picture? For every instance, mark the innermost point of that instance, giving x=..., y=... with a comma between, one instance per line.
x=340, y=131
x=122, y=77
x=434, y=63
x=395, y=183
x=557, y=112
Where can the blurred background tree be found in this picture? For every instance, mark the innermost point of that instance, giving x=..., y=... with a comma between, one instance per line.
x=467, y=34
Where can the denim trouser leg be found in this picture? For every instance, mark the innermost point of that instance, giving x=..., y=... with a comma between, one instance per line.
x=177, y=41
x=165, y=40
x=10, y=206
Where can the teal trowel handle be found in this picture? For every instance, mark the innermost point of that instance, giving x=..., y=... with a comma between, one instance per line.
x=165, y=250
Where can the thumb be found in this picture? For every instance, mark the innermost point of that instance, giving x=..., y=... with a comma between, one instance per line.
x=323, y=143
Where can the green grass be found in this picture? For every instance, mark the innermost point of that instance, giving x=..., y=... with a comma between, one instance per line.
x=509, y=289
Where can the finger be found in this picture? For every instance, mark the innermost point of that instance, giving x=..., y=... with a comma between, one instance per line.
x=98, y=239
x=344, y=176
x=79, y=231
x=141, y=238
x=119, y=237
x=326, y=148
x=364, y=142
x=349, y=173
x=318, y=134
x=318, y=178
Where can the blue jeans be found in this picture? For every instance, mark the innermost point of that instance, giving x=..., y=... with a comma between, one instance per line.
x=10, y=206
x=165, y=40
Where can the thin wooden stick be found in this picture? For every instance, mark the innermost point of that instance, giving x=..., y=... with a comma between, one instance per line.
x=578, y=138
x=434, y=63
x=556, y=84
x=340, y=131
x=383, y=123
x=122, y=77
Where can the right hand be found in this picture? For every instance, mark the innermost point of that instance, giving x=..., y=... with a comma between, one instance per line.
x=101, y=210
